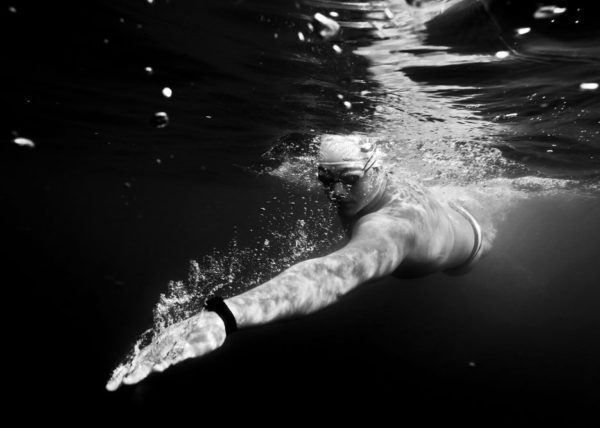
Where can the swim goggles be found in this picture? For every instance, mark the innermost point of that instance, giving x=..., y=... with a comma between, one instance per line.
x=347, y=178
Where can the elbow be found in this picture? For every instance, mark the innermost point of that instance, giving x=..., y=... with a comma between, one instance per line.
x=390, y=256
x=377, y=257
x=319, y=283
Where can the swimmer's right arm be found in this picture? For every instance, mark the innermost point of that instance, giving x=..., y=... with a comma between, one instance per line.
x=377, y=248
x=431, y=239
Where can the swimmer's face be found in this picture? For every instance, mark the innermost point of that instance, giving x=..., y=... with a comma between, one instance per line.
x=348, y=172
x=351, y=189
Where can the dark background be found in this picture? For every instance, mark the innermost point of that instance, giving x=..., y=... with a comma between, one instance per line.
x=94, y=228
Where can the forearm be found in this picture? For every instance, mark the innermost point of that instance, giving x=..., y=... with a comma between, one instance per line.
x=303, y=288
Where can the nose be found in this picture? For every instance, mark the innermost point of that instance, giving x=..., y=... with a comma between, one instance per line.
x=337, y=191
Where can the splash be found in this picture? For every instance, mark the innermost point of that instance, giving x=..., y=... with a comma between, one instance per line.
x=237, y=268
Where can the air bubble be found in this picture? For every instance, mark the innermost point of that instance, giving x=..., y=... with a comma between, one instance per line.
x=160, y=119
x=24, y=142
x=590, y=86
x=549, y=12
x=329, y=27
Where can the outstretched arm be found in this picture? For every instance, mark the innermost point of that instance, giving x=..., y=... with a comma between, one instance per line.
x=434, y=238
x=422, y=238
x=377, y=247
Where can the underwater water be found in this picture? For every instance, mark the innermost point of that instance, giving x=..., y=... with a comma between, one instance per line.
x=157, y=151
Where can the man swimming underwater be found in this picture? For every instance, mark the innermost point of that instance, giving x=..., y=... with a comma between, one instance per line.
x=394, y=228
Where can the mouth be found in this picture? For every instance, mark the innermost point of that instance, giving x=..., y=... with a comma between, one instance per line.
x=339, y=199
x=342, y=202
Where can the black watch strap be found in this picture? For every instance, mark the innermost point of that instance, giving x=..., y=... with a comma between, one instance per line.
x=217, y=305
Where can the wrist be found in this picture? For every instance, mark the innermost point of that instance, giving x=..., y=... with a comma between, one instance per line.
x=218, y=306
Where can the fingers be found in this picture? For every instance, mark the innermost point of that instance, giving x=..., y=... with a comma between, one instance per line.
x=132, y=372
x=143, y=365
x=117, y=378
x=133, y=375
x=138, y=373
x=180, y=342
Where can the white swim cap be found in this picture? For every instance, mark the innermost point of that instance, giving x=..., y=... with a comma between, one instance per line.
x=347, y=151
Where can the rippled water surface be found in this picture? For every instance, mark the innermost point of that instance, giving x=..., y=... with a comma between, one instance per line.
x=157, y=151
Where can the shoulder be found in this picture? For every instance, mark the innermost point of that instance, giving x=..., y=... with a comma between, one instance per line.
x=410, y=211
x=383, y=239
x=383, y=226
x=409, y=204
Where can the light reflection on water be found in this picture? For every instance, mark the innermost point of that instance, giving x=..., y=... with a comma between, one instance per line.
x=439, y=95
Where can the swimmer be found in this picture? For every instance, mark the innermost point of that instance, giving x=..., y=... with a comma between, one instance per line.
x=395, y=228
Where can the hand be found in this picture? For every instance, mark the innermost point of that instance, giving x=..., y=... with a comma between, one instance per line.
x=190, y=338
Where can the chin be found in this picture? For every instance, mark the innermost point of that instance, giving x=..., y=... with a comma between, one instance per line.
x=348, y=209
